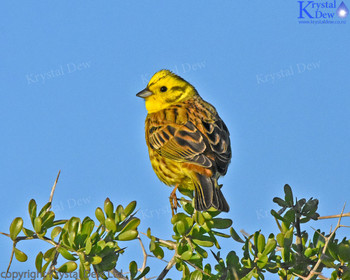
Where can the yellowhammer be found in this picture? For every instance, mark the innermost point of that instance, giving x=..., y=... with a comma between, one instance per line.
x=188, y=143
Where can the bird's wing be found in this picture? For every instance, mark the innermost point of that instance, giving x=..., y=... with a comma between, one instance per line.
x=183, y=143
x=218, y=138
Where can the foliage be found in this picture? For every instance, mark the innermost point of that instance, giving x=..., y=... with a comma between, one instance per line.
x=86, y=246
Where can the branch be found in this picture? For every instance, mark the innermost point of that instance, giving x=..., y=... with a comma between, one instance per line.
x=118, y=274
x=144, y=255
x=20, y=238
x=314, y=270
x=334, y=216
x=167, y=268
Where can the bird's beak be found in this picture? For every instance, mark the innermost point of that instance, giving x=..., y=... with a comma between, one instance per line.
x=144, y=93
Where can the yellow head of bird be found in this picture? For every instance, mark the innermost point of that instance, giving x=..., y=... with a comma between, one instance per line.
x=164, y=89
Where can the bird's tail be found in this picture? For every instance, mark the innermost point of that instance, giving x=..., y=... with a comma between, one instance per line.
x=208, y=194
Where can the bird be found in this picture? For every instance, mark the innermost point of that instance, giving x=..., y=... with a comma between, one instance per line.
x=188, y=143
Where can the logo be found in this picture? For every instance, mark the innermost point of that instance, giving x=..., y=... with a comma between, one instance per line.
x=342, y=10
x=322, y=12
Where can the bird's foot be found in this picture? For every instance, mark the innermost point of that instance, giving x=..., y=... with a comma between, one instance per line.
x=173, y=201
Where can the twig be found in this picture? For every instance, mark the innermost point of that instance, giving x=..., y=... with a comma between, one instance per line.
x=167, y=268
x=54, y=187
x=54, y=262
x=12, y=253
x=118, y=274
x=94, y=268
x=20, y=238
x=298, y=240
x=144, y=255
x=197, y=268
x=246, y=234
x=6, y=234
x=169, y=243
x=334, y=216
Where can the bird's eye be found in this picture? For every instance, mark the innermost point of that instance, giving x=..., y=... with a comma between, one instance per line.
x=163, y=89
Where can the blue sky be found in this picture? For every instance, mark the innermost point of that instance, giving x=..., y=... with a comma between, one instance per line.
x=70, y=71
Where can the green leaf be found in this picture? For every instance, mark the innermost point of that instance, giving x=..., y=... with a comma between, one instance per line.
x=32, y=210
x=280, y=201
x=110, y=225
x=222, y=223
x=16, y=227
x=201, y=252
x=50, y=254
x=289, y=216
x=20, y=256
x=48, y=219
x=187, y=207
x=108, y=206
x=235, y=236
x=205, y=243
x=178, y=217
x=88, y=246
x=55, y=232
x=277, y=216
x=186, y=255
x=288, y=237
x=74, y=225
x=143, y=273
x=133, y=269
x=39, y=262
x=132, y=224
x=180, y=227
x=99, y=215
x=37, y=224
x=198, y=217
x=309, y=252
x=196, y=275
x=344, y=252
x=44, y=209
x=119, y=214
x=28, y=232
x=67, y=267
x=96, y=260
x=288, y=195
x=45, y=267
x=130, y=208
x=261, y=243
x=270, y=245
x=66, y=254
x=83, y=272
x=232, y=260
x=59, y=222
x=158, y=252
x=310, y=206
x=127, y=235
x=87, y=227
x=280, y=239
x=262, y=261
x=221, y=234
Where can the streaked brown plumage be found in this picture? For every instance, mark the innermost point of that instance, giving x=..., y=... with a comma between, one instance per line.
x=188, y=143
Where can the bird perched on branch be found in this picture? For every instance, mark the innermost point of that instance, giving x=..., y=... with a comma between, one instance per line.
x=188, y=143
